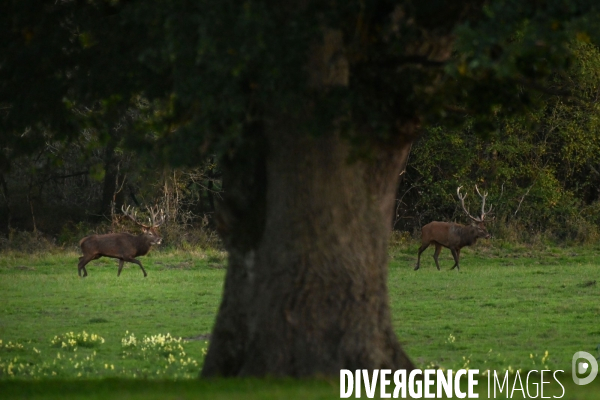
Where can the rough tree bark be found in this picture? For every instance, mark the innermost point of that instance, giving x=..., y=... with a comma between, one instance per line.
x=306, y=287
x=307, y=231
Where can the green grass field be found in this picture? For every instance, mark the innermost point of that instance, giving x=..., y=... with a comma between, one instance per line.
x=509, y=308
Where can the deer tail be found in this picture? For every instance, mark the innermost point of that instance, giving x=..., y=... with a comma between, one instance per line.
x=83, y=240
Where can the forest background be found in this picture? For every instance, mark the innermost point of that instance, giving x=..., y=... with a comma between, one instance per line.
x=541, y=170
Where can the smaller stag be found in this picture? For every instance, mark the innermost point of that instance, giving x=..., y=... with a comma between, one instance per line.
x=454, y=236
x=123, y=246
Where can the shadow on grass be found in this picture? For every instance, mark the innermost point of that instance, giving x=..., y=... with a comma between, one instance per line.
x=270, y=388
x=131, y=389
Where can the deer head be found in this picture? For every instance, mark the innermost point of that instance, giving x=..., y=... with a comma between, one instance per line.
x=156, y=218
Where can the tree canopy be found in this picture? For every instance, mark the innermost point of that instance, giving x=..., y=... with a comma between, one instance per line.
x=208, y=69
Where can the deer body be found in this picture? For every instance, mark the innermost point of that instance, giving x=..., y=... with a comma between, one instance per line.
x=454, y=236
x=122, y=246
x=450, y=235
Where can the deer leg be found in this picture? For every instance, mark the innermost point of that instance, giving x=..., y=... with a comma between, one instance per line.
x=121, y=262
x=81, y=266
x=456, y=255
x=133, y=260
x=438, y=249
x=421, y=249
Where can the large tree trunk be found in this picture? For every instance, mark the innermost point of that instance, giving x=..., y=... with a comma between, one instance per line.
x=307, y=233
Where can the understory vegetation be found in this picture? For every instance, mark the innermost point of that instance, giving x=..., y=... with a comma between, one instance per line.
x=540, y=169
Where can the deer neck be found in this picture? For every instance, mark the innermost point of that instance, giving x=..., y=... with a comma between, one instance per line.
x=143, y=244
x=469, y=236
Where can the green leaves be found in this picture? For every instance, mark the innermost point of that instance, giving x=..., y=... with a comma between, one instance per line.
x=210, y=68
x=539, y=168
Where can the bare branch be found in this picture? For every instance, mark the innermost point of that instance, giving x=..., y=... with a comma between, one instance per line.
x=521, y=201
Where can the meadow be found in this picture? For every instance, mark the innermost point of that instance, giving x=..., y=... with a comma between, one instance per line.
x=509, y=308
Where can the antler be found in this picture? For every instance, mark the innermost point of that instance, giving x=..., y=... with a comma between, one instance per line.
x=131, y=213
x=462, y=201
x=483, y=197
x=156, y=218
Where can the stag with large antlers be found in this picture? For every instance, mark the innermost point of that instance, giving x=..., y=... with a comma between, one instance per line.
x=123, y=246
x=454, y=236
